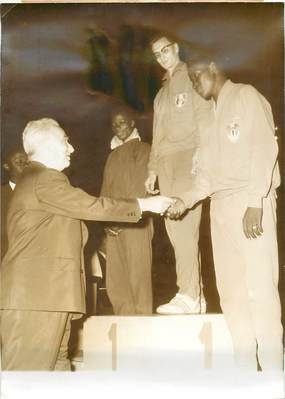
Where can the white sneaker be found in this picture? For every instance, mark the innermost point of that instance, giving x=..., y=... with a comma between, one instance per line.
x=183, y=304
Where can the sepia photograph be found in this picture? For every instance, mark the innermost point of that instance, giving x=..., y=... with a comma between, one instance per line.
x=142, y=199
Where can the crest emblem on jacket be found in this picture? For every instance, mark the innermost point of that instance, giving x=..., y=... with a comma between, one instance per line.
x=180, y=99
x=233, y=130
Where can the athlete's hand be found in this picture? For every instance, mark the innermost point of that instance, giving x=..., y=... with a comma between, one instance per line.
x=176, y=209
x=252, y=222
x=149, y=184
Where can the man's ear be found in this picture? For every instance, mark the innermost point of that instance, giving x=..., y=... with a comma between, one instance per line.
x=6, y=167
x=132, y=123
x=176, y=48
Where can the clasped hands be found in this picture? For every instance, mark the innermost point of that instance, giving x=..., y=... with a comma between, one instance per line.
x=176, y=209
x=172, y=208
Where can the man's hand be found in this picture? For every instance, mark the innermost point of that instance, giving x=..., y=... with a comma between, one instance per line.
x=176, y=209
x=252, y=226
x=157, y=204
x=149, y=184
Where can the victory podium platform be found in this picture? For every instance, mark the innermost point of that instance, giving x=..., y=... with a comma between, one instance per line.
x=169, y=356
x=198, y=342
x=156, y=357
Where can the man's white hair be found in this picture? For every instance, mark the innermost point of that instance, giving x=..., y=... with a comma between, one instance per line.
x=36, y=133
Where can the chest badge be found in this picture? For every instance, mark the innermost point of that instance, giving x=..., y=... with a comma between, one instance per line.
x=180, y=99
x=233, y=131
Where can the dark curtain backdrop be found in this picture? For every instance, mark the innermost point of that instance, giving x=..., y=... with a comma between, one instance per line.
x=74, y=62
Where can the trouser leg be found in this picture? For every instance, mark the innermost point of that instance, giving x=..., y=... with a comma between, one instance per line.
x=117, y=280
x=262, y=278
x=128, y=281
x=139, y=262
x=34, y=340
x=184, y=236
x=231, y=284
x=247, y=274
x=175, y=178
x=62, y=362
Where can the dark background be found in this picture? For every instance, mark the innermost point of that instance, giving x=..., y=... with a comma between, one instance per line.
x=74, y=62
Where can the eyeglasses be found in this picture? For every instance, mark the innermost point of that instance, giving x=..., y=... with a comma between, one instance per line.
x=164, y=51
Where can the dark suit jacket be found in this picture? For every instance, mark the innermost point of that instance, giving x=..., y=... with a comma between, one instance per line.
x=6, y=195
x=124, y=175
x=43, y=268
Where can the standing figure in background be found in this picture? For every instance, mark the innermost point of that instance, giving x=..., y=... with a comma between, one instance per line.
x=128, y=247
x=178, y=111
x=15, y=163
x=239, y=170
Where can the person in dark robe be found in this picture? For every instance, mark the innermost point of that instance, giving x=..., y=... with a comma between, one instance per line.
x=128, y=247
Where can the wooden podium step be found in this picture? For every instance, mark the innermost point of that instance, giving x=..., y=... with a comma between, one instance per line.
x=198, y=342
x=141, y=357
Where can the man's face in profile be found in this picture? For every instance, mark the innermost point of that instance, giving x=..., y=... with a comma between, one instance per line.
x=203, y=79
x=59, y=149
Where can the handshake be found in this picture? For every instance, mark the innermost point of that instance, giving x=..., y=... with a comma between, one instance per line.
x=172, y=208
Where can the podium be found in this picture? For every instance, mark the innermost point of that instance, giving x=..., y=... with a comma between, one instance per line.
x=157, y=343
x=155, y=356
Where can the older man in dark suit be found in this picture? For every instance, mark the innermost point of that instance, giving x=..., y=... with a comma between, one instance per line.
x=43, y=271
